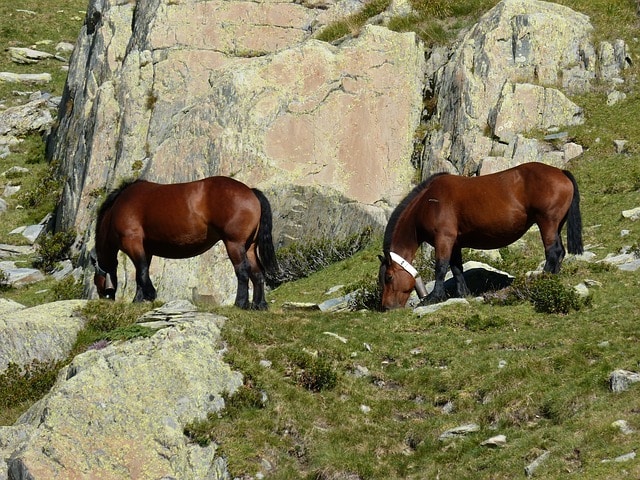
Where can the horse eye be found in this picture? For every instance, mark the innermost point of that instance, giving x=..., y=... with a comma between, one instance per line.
x=388, y=278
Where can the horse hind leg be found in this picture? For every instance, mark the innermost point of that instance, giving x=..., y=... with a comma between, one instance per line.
x=256, y=275
x=554, y=250
x=145, y=291
x=238, y=256
x=456, y=269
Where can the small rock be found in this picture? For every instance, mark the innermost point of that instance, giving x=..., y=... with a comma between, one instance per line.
x=633, y=214
x=497, y=441
x=582, y=290
x=265, y=363
x=427, y=309
x=304, y=306
x=615, y=97
x=624, y=427
x=15, y=170
x=361, y=372
x=11, y=190
x=448, y=408
x=622, y=458
x=533, y=466
x=571, y=150
x=336, y=336
x=334, y=289
x=621, y=146
x=460, y=431
x=620, y=380
x=365, y=409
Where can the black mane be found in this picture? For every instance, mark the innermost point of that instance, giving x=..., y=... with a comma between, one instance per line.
x=109, y=201
x=397, y=212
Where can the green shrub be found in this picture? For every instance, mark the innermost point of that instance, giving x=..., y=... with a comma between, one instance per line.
x=104, y=316
x=366, y=295
x=26, y=383
x=129, y=332
x=313, y=372
x=246, y=398
x=4, y=281
x=53, y=248
x=549, y=295
x=478, y=323
x=545, y=292
x=352, y=23
x=299, y=260
x=67, y=289
x=46, y=189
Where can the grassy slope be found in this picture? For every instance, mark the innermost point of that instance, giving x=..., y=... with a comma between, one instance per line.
x=551, y=395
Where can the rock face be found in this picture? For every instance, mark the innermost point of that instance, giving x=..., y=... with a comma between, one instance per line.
x=175, y=91
x=120, y=412
x=505, y=77
x=45, y=333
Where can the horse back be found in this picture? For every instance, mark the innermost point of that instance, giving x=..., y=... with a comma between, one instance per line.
x=184, y=219
x=491, y=211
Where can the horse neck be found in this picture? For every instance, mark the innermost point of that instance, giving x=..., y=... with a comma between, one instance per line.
x=106, y=253
x=404, y=241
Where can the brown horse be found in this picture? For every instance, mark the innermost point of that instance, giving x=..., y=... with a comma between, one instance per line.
x=451, y=212
x=182, y=220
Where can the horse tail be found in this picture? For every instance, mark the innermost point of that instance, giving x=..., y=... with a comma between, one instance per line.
x=574, y=219
x=266, y=250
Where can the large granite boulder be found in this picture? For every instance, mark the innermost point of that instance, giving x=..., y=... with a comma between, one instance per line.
x=507, y=76
x=175, y=91
x=120, y=411
x=45, y=333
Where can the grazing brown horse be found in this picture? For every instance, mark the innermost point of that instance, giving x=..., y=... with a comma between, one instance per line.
x=145, y=219
x=451, y=212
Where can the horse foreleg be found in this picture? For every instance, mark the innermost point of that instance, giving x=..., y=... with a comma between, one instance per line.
x=145, y=291
x=456, y=269
x=438, y=293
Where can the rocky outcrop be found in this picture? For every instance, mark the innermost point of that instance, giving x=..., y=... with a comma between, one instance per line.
x=120, y=411
x=174, y=91
x=507, y=76
x=45, y=333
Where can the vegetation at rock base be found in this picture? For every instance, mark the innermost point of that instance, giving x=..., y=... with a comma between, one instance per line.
x=399, y=381
x=53, y=248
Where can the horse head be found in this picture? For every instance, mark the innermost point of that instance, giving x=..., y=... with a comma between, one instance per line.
x=397, y=278
x=105, y=286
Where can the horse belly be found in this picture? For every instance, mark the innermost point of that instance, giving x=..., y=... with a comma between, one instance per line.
x=497, y=234
x=188, y=243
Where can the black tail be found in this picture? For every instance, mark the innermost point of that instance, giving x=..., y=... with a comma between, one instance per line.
x=574, y=220
x=266, y=251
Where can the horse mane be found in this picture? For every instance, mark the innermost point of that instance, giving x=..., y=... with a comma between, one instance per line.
x=110, y=200
x=397, y=212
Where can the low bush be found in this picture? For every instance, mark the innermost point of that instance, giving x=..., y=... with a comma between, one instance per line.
x=299, y=260
x=67, y=289
x=53, y=248
x=545, y=292
x=246, y=398
x=26, y=383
